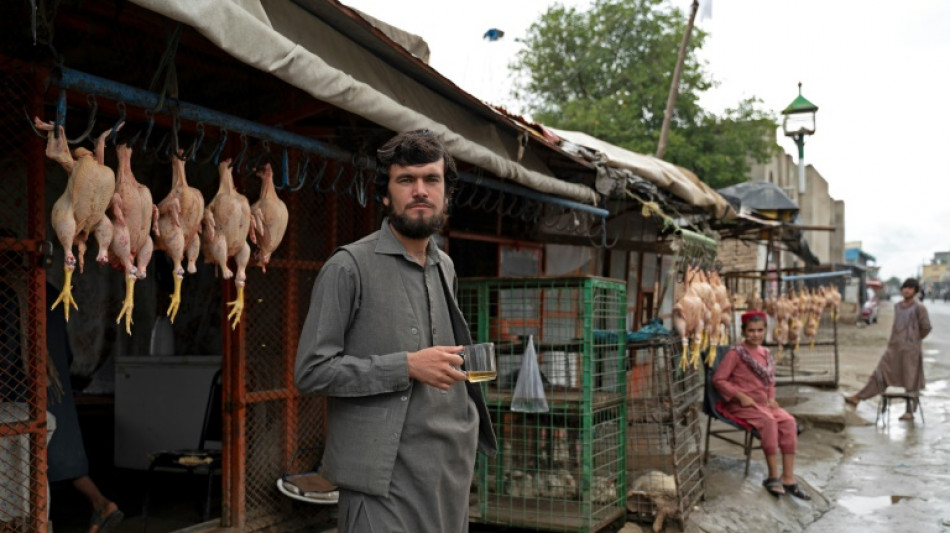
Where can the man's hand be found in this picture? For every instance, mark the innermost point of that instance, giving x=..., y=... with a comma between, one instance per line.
x=437, y=366
x=772, y=403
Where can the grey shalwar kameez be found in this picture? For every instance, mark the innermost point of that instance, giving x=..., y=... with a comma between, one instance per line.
x=902, y=364
x=427, y=488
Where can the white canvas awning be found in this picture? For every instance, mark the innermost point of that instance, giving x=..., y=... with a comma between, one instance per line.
x=287, y=39
x=675, y=179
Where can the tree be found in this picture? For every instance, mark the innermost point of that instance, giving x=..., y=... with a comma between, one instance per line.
x=606, y=71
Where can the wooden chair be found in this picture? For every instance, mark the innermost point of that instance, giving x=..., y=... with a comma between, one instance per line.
x=735, y=429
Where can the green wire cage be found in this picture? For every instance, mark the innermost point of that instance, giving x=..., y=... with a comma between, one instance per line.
x=564, y=469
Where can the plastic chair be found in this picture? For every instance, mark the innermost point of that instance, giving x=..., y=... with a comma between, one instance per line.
x=193, y=459
x=884, y=404
x=711, y=402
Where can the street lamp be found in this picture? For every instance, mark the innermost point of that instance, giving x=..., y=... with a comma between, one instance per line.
x=799, y=122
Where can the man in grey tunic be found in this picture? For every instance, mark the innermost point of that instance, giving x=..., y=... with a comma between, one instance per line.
x=382, y=341
x=902, y=364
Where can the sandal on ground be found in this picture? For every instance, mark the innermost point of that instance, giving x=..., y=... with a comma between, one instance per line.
x=105, y=519
x=796, y=491
x=774, y=486
x=906, y=416
x=852, y=400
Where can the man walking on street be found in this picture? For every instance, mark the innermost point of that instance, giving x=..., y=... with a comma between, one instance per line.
x=382, y=341
x=902, y=364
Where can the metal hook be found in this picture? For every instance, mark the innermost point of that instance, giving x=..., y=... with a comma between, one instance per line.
x=176, y=127
x=239, y=160
x=302, y=173
x=115, y=127
x=148, y=129
x=93, y=104
x=603, y=234
x=196, y=144
x=29, y=120
x=220, y=148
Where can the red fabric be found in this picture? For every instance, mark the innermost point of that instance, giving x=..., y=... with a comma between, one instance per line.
x=749, y=314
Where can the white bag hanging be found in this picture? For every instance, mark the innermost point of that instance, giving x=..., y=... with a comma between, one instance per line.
x=529, y=389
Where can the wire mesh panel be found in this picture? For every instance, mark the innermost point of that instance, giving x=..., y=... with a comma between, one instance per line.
x=23, y=362
x=812, y=361
x=560, y=470
x=664, y=436
x=279, y=432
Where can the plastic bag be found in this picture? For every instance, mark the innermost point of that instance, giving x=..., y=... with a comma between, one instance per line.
x=529, y=390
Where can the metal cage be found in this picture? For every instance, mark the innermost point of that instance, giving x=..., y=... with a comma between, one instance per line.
x=664, y=434
x=564, y=469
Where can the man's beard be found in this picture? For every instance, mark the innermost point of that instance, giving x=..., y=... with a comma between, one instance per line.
x=415, y=227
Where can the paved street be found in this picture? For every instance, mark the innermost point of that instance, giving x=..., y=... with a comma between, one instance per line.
x=864, y=478
x=898, y=478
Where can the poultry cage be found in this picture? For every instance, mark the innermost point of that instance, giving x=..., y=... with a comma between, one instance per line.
x=664, y=434
x=563, y=469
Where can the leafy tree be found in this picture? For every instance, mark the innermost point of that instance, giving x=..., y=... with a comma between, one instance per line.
x=607, y=70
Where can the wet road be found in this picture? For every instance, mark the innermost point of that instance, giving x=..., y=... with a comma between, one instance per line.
x=897, y=478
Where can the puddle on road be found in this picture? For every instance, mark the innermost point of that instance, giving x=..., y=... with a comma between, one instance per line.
x=931, y=351
x=861, y=505
x=936, y=385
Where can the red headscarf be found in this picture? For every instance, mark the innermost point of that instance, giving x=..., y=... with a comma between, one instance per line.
x=749, y=315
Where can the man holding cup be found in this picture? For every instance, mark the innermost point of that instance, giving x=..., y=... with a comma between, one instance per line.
x=382, y=340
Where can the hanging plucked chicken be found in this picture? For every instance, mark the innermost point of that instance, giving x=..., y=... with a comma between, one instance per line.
x=227, y=221
x=689, y=319
x=81, y=209
x=177, y=228
x=133, y=214
x=268, y=218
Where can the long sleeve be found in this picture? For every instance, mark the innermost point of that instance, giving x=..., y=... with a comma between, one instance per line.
x=321, y=366
x=722, y=377
x=923, y=319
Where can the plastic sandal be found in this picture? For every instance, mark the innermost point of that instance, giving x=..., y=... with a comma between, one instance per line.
x=773, y=485
x=796, y=491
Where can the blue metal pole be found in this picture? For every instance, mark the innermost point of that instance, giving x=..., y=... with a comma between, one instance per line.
x=818, y=275
x=67, y=78
x=490, y=183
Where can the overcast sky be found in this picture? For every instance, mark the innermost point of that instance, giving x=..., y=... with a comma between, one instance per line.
x=878, y=71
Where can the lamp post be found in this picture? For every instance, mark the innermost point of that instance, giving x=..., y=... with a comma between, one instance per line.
x=799, y=122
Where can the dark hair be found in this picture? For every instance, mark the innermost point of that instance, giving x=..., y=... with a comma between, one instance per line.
x=414, y=148
x=912, y=283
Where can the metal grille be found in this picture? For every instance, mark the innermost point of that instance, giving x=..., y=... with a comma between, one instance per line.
x=562, y=470
x=811, y=361
x=23, y=419
x=664, y=436
x=282, y=432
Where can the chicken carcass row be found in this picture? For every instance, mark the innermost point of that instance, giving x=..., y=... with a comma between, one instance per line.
x=227, y=221
x=689, y=319
x=177, y=228
x=268, y=218
x=133, y=214
x=81, y=209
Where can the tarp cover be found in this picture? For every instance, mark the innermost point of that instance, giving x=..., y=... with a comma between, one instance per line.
x=667, y=176
x=759, y=196
x=284, y=39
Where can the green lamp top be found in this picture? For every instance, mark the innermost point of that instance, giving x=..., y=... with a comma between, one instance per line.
x=800, y=104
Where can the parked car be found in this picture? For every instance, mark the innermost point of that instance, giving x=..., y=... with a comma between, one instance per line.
x=870, y=307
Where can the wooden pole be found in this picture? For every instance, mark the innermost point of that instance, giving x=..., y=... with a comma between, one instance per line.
x=675, y=84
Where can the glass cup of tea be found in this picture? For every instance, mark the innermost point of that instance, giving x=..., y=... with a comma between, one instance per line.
x=479, y=362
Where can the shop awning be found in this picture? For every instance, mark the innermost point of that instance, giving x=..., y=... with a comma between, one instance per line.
x=310, y=44
x=679, y=181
